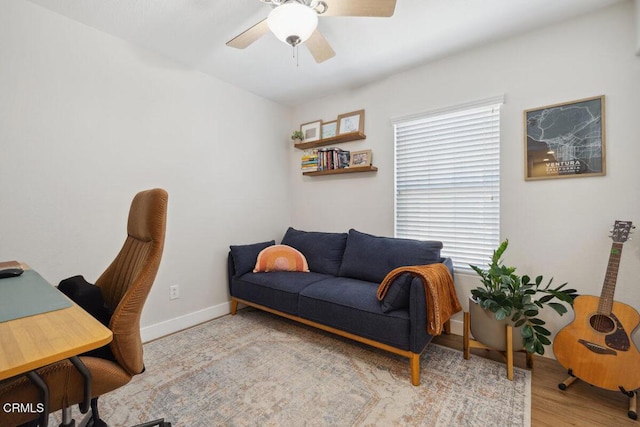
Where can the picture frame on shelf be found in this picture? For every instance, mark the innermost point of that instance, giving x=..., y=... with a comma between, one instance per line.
x=565, y=140
x=361, y=158
x=329, y=129
x=351, y=122
x=311, y=130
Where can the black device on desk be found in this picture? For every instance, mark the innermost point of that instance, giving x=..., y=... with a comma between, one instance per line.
x=10, y=269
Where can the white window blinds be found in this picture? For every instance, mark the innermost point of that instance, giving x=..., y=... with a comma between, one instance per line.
x=448, y=180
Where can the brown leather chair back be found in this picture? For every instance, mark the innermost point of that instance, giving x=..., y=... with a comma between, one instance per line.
x=126, y=283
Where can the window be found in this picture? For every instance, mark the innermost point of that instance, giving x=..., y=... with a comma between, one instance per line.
x=447, y=166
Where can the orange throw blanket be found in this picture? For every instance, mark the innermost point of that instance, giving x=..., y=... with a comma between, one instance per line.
x=442, y=301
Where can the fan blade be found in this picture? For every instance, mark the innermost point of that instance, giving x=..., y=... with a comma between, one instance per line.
x=319, y=47
x=249, y=36
x=382, y=8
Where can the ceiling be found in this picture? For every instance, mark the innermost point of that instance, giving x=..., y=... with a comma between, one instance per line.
x=194, y=32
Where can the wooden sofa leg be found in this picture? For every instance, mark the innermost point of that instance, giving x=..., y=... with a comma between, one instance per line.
x=234, y=306
x=446, y=327
x=414, y=360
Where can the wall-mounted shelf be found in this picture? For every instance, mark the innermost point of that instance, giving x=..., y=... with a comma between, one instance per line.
x=345, y=137
x=352, y=169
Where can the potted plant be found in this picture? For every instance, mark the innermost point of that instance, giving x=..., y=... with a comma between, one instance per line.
x=507, y=297
x=297, y=136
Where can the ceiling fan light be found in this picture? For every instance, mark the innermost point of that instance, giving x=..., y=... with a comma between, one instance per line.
x=293, y=23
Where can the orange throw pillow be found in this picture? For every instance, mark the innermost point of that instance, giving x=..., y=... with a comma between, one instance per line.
x=280, y=258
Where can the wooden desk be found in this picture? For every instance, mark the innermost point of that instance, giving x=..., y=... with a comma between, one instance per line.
x=31, y=342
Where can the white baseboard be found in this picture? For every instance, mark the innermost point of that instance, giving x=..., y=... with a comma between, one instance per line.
x=176, y=324
x=457, y=327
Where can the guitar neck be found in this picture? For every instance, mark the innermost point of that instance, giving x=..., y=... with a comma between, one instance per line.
x=610, y=279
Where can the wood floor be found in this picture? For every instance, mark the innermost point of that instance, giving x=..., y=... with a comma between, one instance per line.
x=579, y=405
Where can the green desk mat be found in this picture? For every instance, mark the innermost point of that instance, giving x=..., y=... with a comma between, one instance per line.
x=28, y=294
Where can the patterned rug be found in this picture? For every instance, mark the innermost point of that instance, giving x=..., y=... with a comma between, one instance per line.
x=256, y=369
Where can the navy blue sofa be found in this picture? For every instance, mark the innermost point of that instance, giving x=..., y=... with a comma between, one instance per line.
x=339, y=294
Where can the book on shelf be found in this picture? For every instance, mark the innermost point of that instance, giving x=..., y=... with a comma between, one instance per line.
x=333, y=158
x=309, y=161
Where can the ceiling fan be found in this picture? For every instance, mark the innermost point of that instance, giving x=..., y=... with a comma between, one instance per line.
x=295, y=22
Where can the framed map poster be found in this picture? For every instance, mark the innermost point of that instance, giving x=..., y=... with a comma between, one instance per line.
x=565, y=140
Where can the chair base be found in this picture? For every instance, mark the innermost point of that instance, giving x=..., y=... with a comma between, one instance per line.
x=469, y=343
x=92, y=419
x=159, y=423
x=89, y=422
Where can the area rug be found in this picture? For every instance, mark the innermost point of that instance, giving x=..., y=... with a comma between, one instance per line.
x=257, y=369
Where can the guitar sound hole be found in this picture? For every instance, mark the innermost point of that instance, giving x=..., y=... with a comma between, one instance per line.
x=602, y=323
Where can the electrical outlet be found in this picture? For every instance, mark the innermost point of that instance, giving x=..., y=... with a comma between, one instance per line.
x=174, y=292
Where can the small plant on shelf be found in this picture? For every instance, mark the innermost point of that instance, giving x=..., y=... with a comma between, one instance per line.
x=297, y=136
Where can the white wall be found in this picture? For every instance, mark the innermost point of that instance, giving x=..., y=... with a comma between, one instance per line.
x=87, y=120
x=637, y=7
x=556, y=227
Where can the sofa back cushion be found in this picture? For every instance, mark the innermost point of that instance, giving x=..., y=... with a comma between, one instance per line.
x=244, y=256
x=371, y=258
x=323, y=251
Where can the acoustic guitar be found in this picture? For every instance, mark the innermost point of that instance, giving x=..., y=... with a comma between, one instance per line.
x=597, y=346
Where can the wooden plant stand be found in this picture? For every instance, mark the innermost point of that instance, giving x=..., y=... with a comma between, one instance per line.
x=469, y=343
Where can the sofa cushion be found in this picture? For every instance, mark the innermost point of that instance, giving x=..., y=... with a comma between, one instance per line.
x=244, y=256
x=371, y=258
x=352, y=306
x=323, y=251
x=278, y=290
x=280, y=258
x=397, y=296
